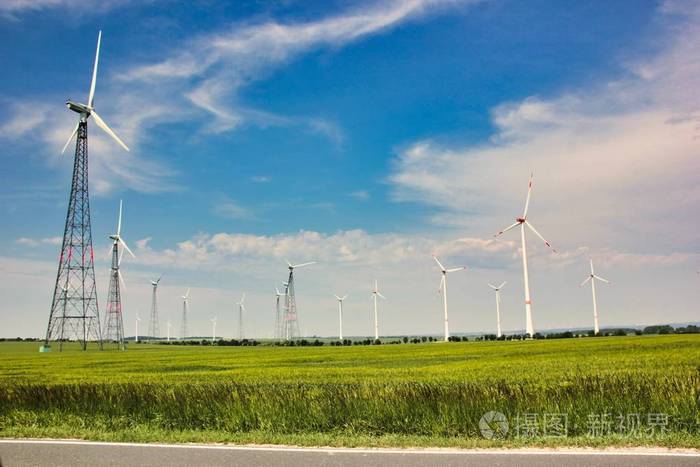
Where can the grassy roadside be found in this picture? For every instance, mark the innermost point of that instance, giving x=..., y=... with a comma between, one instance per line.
x=141, y=434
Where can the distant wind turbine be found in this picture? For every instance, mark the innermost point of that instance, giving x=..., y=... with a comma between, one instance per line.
x=340, y=314
x=185, y=302
x=498, y=307
x=137, y=327
x=443, y=290
x=241, y=310
x=213, y=329
x=375, y=294
x=522, y=222
x=592, y=277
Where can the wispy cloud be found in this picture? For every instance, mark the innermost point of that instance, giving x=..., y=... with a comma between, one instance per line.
x=211, y=69
x=13, y=9
x=229, y=209
x=615, y=164
x=362, y=195
x=261, y=179
x=33, y=242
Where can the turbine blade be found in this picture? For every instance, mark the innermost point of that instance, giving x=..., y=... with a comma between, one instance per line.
x=121, y=279
x=344, y=297
x=442, y=284
x=127, y=248
x=442, y=268
x=121, y=255
x=119, y=223
x=337, y=297
x=187, y=294
x=540, y=235
x=381, y=295
x=502, y=284
x=493, y=286
x=527, y=200
x=515, y=224
x=70, y=138
x=601, y=279
x=91, y=96
x=586, y=281
x=461, y=268
x=243, y=299
x=303, y=264
x=101, y=123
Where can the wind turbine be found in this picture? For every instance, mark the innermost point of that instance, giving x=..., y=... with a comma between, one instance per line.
x=153, y=324
x=375, y=294
x=169, y=330
x=498, y=307
x=291, y=321
x=278, y=317
x=241, y=310
x=443, y=289
x=522, y=222
x=87, y=110
x=592, y=277
x=213, y=329
x=340, y=314
x=137, y=327
x=76, y=264
x=115, y=324
x=185, y=302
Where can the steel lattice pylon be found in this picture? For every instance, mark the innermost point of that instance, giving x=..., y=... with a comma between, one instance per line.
x=74, y=311
x=114, y=325
x=290, y=323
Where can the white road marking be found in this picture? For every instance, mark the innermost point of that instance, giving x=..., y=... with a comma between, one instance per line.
x=648, y=452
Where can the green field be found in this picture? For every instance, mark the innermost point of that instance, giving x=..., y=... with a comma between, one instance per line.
x=412, y=394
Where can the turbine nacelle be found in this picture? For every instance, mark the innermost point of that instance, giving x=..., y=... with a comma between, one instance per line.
x=79, y=108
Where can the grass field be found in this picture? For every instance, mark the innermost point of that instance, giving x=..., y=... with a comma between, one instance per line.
x=424, y=394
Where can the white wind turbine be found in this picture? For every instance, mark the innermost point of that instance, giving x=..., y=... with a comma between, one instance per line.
x=522, y=222
x=213, y=329
x=87, y=110
x=278, y=312
x=375, y=294
x=185, y=302
x=340, y=314
x=443, y=290
x=169, y=330
x=118, y=240
x=137, y=327
x=498, y=307
x=592, y=277
x=241, y=310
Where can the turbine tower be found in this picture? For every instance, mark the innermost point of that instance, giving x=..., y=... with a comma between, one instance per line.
x=136, y=331
x=75, y=314
x=183, y=328
x=213, y=329
x=340, y=315
x=290, y=322
x=153, y=324
x=241, y=310
x=375, y=294
x=114, y=326
x=279, y=334
x=522, y=222
x=498, y=307
x=443, y=289
x=592, y=277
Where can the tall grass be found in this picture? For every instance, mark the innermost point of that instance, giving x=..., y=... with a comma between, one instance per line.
x=389, y=401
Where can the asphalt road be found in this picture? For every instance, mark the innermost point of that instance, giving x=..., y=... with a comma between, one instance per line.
x=79, y=453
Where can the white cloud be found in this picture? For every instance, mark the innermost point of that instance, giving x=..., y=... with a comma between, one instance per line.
x=32, y=242
x=230, y=209
x=362, y=195
x=616, y=165
x=12, y=9
x=261, y=179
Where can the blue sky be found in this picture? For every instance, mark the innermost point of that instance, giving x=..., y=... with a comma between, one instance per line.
x=364, y=135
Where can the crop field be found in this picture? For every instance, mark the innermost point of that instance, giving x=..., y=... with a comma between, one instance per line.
x=631, y=390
